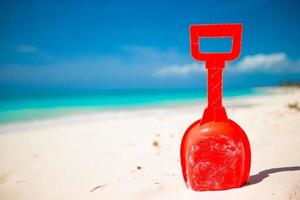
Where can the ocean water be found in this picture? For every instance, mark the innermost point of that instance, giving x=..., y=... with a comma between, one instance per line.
x=27, y=106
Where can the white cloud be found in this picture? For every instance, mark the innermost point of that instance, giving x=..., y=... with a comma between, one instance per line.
x=180, y=70
x=27, y=49
x=135, y=66
x=272, y=63
x=261, y=62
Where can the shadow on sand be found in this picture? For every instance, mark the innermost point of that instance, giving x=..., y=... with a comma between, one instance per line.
x=264, y=174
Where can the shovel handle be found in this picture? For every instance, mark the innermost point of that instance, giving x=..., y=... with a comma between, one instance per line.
x=214, y=60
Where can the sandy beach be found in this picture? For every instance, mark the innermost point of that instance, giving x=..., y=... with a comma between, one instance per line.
x=134, y=154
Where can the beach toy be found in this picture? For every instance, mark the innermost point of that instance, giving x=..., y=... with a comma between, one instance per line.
x=215, y=151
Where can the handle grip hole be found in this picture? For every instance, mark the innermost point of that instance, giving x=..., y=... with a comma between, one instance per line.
x=215, y=45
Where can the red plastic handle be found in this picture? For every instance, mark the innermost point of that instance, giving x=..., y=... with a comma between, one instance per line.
x=233, y=31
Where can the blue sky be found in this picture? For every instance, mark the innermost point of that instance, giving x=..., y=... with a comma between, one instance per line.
x=140, y=44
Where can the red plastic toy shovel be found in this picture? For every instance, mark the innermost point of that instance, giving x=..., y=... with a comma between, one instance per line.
x=215, y=151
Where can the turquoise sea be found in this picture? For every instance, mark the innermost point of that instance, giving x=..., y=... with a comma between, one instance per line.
x=26, y=106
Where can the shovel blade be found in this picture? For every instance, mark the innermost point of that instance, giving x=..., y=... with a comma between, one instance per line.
x=215, y=156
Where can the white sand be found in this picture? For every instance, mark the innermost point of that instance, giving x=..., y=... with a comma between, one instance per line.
x=66, y=158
